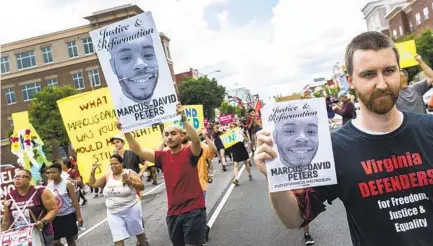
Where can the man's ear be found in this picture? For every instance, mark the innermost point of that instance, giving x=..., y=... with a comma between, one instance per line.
x=350, y=80
x=113, y=66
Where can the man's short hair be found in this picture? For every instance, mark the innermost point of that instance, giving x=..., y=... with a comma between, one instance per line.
x=368, y=41
x=405, y=72
x=176, y=127
x=250, y=110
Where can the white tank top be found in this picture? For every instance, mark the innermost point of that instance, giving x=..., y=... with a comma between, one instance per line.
x=118, y=196
x=64, y=202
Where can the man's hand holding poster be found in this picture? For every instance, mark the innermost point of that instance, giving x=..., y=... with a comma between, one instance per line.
x=136, y=71
x=302, y=142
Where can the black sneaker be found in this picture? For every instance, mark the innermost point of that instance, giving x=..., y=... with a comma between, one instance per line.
x=83, y=203
x=250, y=177
x=308, y=239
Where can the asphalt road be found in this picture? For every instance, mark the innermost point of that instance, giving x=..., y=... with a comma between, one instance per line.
x=245, y=219
x=248, y=219
x=154, y=207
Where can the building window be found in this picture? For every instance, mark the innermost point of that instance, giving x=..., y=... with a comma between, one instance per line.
x=26, y=60
x=94, y=78
x=11, y=123
x=78, y=81
x=410, y=26
x=418, y=19
x=30, y=91
x=72, y=49
x=10, y=96
x=52, y=82
x=47, y=54
x=425, y=12
x=167, y=52
x=394, y=33
x=400, y=30
x=5, y=64
x=88, y=46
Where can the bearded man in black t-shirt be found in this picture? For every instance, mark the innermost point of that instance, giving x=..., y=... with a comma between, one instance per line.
x=383, y=158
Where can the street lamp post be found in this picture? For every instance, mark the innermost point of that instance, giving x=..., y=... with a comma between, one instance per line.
x=207, y=74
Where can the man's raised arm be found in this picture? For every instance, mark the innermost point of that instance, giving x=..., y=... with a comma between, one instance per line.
x=191, y=132
x=427, y=70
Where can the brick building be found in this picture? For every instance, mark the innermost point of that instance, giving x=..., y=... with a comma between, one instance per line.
x=375, y=11
x=412, y=17
x=65, y=57
x=192, y=73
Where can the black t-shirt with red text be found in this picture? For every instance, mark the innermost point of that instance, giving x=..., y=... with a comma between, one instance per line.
x=385, y=183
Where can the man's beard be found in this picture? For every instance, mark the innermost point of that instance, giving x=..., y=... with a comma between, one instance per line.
x=380, y=102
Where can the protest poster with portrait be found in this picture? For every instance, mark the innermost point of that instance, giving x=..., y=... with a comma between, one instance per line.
x=303, y=145
x=136, y=70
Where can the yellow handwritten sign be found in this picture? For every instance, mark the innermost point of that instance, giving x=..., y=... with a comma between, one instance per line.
x=231, y=137
x=90, y=121
x=407, y=52
x=194, y=114
x=21, y=122
x=27, y=145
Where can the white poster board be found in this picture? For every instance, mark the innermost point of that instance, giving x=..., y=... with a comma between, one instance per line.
x=302, y=142
x=136, y=70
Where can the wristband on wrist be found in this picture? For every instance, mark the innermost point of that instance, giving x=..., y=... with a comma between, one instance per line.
x=183, y=118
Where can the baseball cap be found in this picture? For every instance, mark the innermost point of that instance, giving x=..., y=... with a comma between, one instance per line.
x=342, y=94
x=118, y=137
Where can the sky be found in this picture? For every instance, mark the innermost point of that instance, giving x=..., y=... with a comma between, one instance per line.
x=271, y=47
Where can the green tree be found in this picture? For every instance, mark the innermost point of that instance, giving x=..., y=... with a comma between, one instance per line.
x=424, y=46
x=45, y=116
x=225, y=108
x=202, y=91
x=318, y=94
x=242, y=112
x=334, y=92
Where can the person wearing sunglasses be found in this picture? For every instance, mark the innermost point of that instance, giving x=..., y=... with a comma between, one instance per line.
x=27, y=204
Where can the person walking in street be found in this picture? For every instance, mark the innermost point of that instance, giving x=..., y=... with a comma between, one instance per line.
x=130, y=159
x=124, y=214
x=254, y=125
x=410, y=96
x=70, y=173
x=383, y=158
x=69, y=213
x=240, y=153
x=347, y=108
x=220, y=147
x=29, y=204
x=186, y=215
x=80, y=184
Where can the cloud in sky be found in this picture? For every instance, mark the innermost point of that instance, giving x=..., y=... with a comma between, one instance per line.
x=279, y=54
